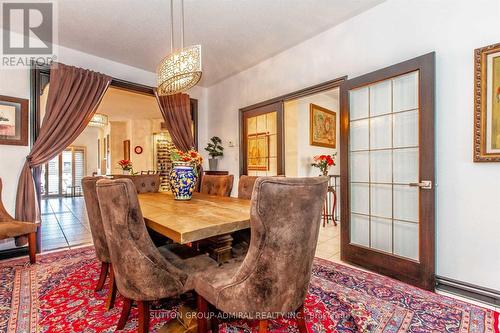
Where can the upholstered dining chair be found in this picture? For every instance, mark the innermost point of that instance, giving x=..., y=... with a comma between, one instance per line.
x=144, y=183
x=10, y=227
x=245, y=186
x=142, y=271
x=217, y=185
x=273, y=278
x=241, y=238
x=89, y=185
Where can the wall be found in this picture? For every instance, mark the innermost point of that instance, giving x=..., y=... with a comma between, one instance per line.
x=88, y=139
x=467, y=194
x=298, y=150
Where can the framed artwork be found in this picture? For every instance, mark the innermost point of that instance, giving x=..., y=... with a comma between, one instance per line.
x=258, y=151
x=126, y=150
x=13, y=121
x=322, y=127
x=138, y=150
x=487, y=104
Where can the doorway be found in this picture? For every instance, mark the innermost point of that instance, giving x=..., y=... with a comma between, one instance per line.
x=387, y=167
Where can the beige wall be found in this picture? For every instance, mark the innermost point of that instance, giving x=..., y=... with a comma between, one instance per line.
x=298, y=150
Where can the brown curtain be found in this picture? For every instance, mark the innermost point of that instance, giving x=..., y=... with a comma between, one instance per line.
x=176, y=110
x=74, y=95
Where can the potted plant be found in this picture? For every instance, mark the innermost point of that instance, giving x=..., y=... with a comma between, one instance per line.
x=126, y=166
x=215, y=150
x=324, y=162
x=184, y=173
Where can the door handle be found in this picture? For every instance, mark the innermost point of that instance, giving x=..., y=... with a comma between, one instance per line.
x=424, y=184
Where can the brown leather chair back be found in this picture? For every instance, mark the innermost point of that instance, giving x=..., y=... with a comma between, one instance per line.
x=217, y=185
x=141, y=272
x=245, y=186
x=95, y=221
x=144, y=183
x=285, y=219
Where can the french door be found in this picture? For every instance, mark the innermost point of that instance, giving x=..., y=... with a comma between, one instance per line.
x=262, y=140
x=65, y=171
x=387, y=171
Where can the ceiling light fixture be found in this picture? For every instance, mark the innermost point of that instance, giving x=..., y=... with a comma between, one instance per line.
x=181, y=69
x=99, y=120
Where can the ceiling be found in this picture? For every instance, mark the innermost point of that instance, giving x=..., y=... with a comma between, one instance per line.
x=234, y=34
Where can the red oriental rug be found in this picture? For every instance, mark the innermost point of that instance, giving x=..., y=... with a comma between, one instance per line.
x=57, y=295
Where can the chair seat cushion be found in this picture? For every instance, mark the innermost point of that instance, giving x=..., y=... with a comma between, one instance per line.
x=188, y=260
x=11, y=229
x=208, y=283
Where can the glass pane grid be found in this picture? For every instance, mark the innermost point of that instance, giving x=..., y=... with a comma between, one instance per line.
x=390, y=140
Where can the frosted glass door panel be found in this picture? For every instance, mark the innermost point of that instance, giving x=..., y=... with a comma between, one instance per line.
x=384, y=166
x=358, y=101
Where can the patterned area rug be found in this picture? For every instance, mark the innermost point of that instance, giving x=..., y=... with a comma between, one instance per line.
x=56, y=295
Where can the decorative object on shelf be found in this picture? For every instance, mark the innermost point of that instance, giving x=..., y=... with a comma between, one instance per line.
x=215, y=150
x=322, y=126
x=487, y=104
x=138, y=150
x=324, y=162
x=184, y=174
x=13, y=121
x=99, y=120
x=258, y=151
x=126, y=166
x=181, y=69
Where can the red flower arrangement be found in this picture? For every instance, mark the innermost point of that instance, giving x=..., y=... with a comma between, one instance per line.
x=125, y=164
x=323, y=162
x=191, y=157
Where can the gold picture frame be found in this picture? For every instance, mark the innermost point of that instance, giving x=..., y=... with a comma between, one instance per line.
x=258, y=151
x=487, y=104
x=322, y=127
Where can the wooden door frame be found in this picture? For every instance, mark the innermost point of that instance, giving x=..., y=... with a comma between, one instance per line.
x=372, y=259
x=39, y=78
x=273, y=107
x=311, y=90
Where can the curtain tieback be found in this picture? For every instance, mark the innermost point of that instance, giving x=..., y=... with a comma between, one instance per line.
x=28, y=160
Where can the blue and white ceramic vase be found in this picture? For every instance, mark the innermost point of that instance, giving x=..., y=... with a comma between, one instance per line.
x=182, y=180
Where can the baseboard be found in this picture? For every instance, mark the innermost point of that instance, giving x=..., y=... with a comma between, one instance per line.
x=481, y=294
x=13, y=253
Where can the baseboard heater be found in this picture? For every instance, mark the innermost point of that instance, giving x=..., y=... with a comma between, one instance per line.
x=468, y=290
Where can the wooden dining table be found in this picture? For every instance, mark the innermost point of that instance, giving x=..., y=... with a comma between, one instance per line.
x=205, y=219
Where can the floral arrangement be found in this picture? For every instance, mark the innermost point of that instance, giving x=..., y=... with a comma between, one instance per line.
x=192, y=157
x=125, y=164
x=323, y=162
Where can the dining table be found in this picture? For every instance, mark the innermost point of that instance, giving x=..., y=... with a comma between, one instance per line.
x=205, y=219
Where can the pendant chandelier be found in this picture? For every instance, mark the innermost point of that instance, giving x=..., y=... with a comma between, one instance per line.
x=181, y=69
x=98, y=120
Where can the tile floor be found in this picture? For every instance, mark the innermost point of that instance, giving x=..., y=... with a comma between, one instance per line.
x=64, y=223
x=329, y=242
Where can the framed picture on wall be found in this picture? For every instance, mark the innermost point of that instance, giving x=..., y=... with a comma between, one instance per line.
x=322, y=127
x=258, y=151
x=487, y=104
x=13, y=121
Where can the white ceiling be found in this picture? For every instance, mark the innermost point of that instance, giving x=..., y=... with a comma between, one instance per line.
x=234, y=34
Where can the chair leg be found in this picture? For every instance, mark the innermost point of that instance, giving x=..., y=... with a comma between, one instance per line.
x=102, y=276
x=32, y=247
x=112, y=289
x=143, y=316
x=263, y=326
x=214, y=324
x=202, y=306
x=127, y=305
x=301, y=320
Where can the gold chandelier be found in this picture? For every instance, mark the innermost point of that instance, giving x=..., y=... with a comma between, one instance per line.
x=98, y=120
x=181, y=69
